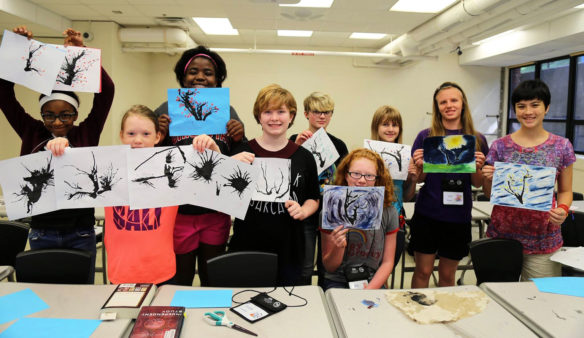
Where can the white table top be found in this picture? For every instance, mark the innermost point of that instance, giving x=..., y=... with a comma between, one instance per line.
x=548, y=314
x=71, y=301
x=476, y=214
x=312, y=320
x=353, y=319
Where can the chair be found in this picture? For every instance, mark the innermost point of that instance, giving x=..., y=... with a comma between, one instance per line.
x=496, y=259
x=13, y=237
x=54, y=266
x=243, y=269
x=577, y=196
x=573, y=236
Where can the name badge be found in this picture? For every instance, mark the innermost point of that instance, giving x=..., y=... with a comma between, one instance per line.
x=453, y=198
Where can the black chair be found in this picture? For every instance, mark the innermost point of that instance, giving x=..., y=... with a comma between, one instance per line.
x=496, y=259
x=573, y=236
x=483, y=197
x=53, y=266
x=13, y=237
x=243, y=269
x=577, y=196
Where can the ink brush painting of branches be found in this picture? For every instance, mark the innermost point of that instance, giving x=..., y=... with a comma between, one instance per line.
x=273, y=183
x=154, y=175
x=28, y=185
x=91, y=177
x=523, y=186
x=395, y=155
x=217, y=182
x=449, y=154
x=30, y=63
x=323, y=150
x=80, y=71
x=352, y=207
x=196, y=111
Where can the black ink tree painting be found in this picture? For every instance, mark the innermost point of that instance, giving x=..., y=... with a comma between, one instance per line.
x=200, y=110
x=76, y=64
x=449, y=154
x=99, y=182
x=238, y=180
x=317, y=155
x=353, y=207
x=203, y=170
x=36, y=182
x=272, y=187
x=169, y=170
x=322, y=149
x=395, y=155
x=34, y=51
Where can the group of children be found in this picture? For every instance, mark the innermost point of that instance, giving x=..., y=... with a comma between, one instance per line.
x=163, y=245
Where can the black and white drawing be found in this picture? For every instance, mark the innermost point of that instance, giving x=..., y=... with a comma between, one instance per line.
x=80, y=71
x=395, y=155
x=273, y=183
x=323, y=150
x=91, y=177
x=28, y=185
x=352, y=207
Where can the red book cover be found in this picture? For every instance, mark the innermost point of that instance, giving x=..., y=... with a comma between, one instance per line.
x=159, y=321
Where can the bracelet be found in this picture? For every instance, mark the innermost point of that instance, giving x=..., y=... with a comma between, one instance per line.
x=565, y=207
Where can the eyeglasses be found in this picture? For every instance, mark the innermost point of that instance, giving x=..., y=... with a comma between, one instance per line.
x=320, y=113
x=357, y=176
x=65, y=117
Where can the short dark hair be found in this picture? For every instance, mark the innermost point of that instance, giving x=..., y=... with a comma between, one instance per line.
x=532, y=90
x=220, y=68
x=72, y=94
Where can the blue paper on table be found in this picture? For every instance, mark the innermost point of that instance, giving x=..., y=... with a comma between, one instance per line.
x=51, y=327
x=196, y=111
x=20, y=304
x=202, y=298
x=571, y=286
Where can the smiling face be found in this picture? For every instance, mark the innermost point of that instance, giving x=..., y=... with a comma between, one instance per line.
x=530, y=113
x=275, y=120
x=200, y=74
x=362, y=166
x=139, y=132
x=57, y=108
x=388, y=131
x=449, y=101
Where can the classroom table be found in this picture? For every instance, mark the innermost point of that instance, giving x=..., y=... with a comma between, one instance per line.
x=476, y=214
x=353, y=319
x=311, y=320
x=486, y=207
x=547, y=314
x=72, y=302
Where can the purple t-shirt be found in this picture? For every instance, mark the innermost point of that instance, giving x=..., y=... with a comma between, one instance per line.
x=531, y=227
x=429, y=202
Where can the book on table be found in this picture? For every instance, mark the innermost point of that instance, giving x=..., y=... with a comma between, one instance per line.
x=127, y=299
x=159, y=321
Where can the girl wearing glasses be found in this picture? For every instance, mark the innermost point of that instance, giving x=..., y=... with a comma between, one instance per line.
x=374, y=249
x=72, y=228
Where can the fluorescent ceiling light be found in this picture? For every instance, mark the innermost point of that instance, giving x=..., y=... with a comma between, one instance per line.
x=311, y=3
x=493, y=38
x=580, y=6
x=367, y=36
x=421, y=6
x=216, y=26
x=294, y=33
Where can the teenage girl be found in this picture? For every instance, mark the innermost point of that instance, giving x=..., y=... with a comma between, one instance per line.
x=373, y=248
x=539, y=232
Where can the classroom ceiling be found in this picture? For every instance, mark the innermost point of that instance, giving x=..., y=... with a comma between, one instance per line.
x=419, y=34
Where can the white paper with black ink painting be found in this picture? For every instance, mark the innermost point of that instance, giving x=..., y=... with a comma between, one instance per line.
x=352, y=207
x=217, y=182
x=395, y=155
x=322, y=149
x=28, y=184
x=90, y=177
x=154, y=175
x=273, y=183
x=80, y=71
x=30, y=63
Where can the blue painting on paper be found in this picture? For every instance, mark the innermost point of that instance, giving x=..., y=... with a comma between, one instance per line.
x=352, y=207
x=196, y=111
x=449, y=154
x=523, y=186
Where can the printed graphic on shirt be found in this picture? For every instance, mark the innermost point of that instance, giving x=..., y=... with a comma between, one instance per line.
x=137, y=220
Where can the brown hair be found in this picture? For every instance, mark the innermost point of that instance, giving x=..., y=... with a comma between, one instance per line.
x=383, y=177
x=273, y=97
x=143, y=111
x=383, y=115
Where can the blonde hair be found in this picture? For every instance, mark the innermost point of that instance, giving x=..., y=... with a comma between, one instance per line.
x=141, y=110
x=272, y=97
x=383, y=115
x=318, y=102
x=383, y=177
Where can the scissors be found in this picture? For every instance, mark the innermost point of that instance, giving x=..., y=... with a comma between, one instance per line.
x=218, y=318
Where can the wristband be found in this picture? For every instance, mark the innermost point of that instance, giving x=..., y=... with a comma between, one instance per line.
x=565, y=207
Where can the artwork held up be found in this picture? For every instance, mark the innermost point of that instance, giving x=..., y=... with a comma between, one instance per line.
x=322, y=149
x=28, y=185
x=91, y=177
x=273, y=182
x=396, y=157
x=80, y=71
x=196, y=111
x=217, y=182
x=449, y=154
x=523, y=186
x=154, y=175
x=352, y=207
x=30, y=63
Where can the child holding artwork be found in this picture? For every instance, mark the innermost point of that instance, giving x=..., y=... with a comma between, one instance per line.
x=375, y=249
x=538, y=231
x=275, y=226
x=441, y=226
x=72, y=228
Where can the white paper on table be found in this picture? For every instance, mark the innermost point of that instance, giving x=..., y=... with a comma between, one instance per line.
x=80, y=70
x=273, y=183
x=322, y=149
x=573, y=257
x=395, y=155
